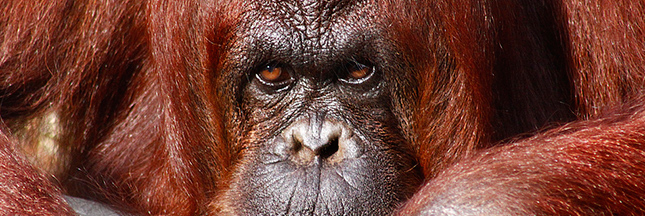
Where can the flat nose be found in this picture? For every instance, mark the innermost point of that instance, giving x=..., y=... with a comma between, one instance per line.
x=329, y=140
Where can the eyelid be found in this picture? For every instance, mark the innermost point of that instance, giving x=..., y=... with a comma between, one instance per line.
x=281, y=80
x=354, y=66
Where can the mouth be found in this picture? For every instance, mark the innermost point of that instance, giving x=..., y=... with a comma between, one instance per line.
x=319, y=188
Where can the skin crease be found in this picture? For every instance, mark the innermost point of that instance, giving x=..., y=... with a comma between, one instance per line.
x=334, y=107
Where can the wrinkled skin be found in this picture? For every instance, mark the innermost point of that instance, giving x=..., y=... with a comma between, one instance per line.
x=326, y=137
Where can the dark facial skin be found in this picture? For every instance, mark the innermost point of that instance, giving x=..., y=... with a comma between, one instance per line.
x=316, y=109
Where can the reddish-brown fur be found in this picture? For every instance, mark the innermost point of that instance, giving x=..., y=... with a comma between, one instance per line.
x=134, y=88
x=583, y=168
x=90, y=62
x=24, y=190
x=589, y=167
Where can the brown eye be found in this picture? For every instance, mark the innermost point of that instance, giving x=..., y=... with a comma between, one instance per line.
x=274, y=76
x=357, y=73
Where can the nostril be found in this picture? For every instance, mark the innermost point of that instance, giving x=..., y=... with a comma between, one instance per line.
x=296, y=143
x=329, y=149
x=305, y=151
x=308, y=140
x=301, y=152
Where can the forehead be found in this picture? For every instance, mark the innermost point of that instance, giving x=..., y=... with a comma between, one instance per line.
x=310, y=15
x=307, y=29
